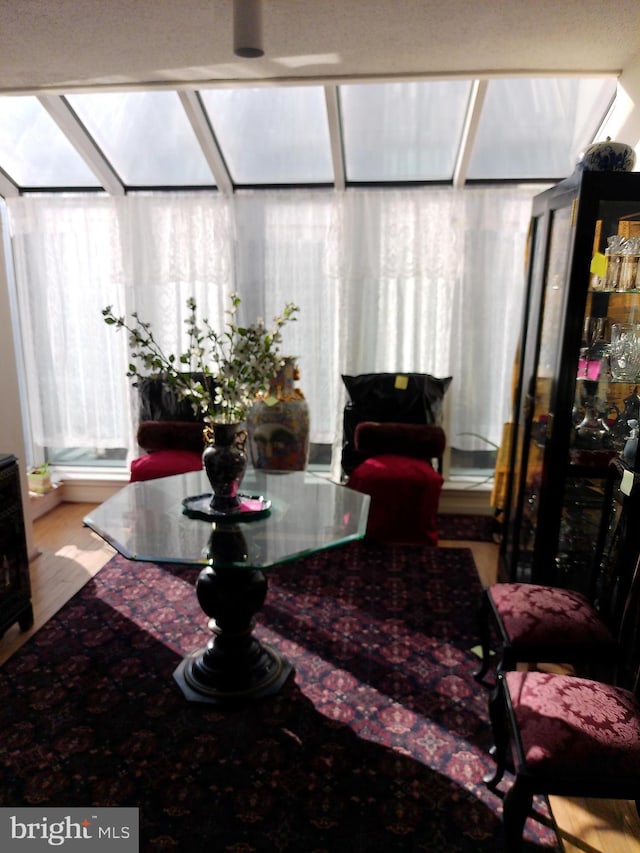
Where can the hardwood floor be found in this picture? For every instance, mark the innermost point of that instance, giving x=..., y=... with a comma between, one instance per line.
x=70, y=554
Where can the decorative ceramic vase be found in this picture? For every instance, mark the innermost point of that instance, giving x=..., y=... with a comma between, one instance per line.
x=278, y=424
x=225, y=462
x=593, y=432
x=607, y=157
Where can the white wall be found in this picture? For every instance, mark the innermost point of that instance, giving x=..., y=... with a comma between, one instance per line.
x=11, y=433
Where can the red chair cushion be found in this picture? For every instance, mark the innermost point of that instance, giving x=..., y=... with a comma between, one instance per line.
x=575, y=726
x=164, y=463
x=405, y=493
x=541, y=617
x=420, y=441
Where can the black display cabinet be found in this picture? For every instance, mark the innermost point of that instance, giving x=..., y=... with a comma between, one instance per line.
x=15, y=587
x=571, y=414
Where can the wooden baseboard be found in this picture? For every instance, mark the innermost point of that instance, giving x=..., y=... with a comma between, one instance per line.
x=464, y=501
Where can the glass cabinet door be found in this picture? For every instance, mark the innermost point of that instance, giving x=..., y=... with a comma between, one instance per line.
x=577, y=402
x=540, y=359
x=605, y=407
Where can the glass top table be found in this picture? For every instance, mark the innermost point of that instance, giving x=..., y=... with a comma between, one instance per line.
x=306, y=513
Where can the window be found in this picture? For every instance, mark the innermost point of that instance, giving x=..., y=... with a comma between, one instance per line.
x=398, y=272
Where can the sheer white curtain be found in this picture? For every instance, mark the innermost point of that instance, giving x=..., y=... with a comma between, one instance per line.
x=487, y=312
x=75, y=255
x=424, y=280
x=68, y=266
x=284, y=242
x=433, y=282
x=175, y=246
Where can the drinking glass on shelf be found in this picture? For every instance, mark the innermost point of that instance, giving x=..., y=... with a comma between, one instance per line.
x=613, y=254
x=624, y=352
x=593, y=339
x=629, y=265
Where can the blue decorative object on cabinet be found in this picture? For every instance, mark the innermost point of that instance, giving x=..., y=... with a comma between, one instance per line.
x=607, y=156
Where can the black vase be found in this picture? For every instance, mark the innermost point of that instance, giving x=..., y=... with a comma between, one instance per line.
x=225, y=462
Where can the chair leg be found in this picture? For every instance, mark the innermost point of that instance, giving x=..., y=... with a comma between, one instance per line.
x=500, y=736
x=516, y=808
x=484, y=615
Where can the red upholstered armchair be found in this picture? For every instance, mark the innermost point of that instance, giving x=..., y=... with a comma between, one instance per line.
x=398, y=398
x=168, y=432
x=392, y=449
x=417, y=441
x=171, y=447
x=401, y=473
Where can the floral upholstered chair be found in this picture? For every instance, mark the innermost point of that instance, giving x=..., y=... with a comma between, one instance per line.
x=569, y=736
x=534, y=623
x=542, y=624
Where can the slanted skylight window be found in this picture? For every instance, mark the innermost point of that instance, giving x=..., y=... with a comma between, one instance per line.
x=274, y=135
x=403, y=131
x=34, y=152
x=146, y=136
x=535, y=128
x=391, y=133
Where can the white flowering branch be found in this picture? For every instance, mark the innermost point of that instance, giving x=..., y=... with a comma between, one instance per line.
x=220, y=373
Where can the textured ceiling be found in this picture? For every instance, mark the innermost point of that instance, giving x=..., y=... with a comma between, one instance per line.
x=62, y=44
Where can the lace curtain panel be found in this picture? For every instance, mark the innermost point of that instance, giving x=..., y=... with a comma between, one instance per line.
x=424, y=280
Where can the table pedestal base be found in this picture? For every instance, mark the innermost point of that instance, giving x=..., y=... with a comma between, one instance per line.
x=234, y=666
x=224, y=686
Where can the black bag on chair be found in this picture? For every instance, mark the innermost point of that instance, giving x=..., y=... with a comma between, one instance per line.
x=160, y=401
x=412, y=398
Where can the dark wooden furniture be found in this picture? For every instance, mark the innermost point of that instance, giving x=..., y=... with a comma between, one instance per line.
x=15, y=586
x=542, y=624
x=558, y=470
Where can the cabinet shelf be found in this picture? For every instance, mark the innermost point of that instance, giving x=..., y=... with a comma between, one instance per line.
x=629, y=291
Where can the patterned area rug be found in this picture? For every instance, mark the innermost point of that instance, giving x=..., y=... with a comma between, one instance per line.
x=474, y=528
x=378, y=743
